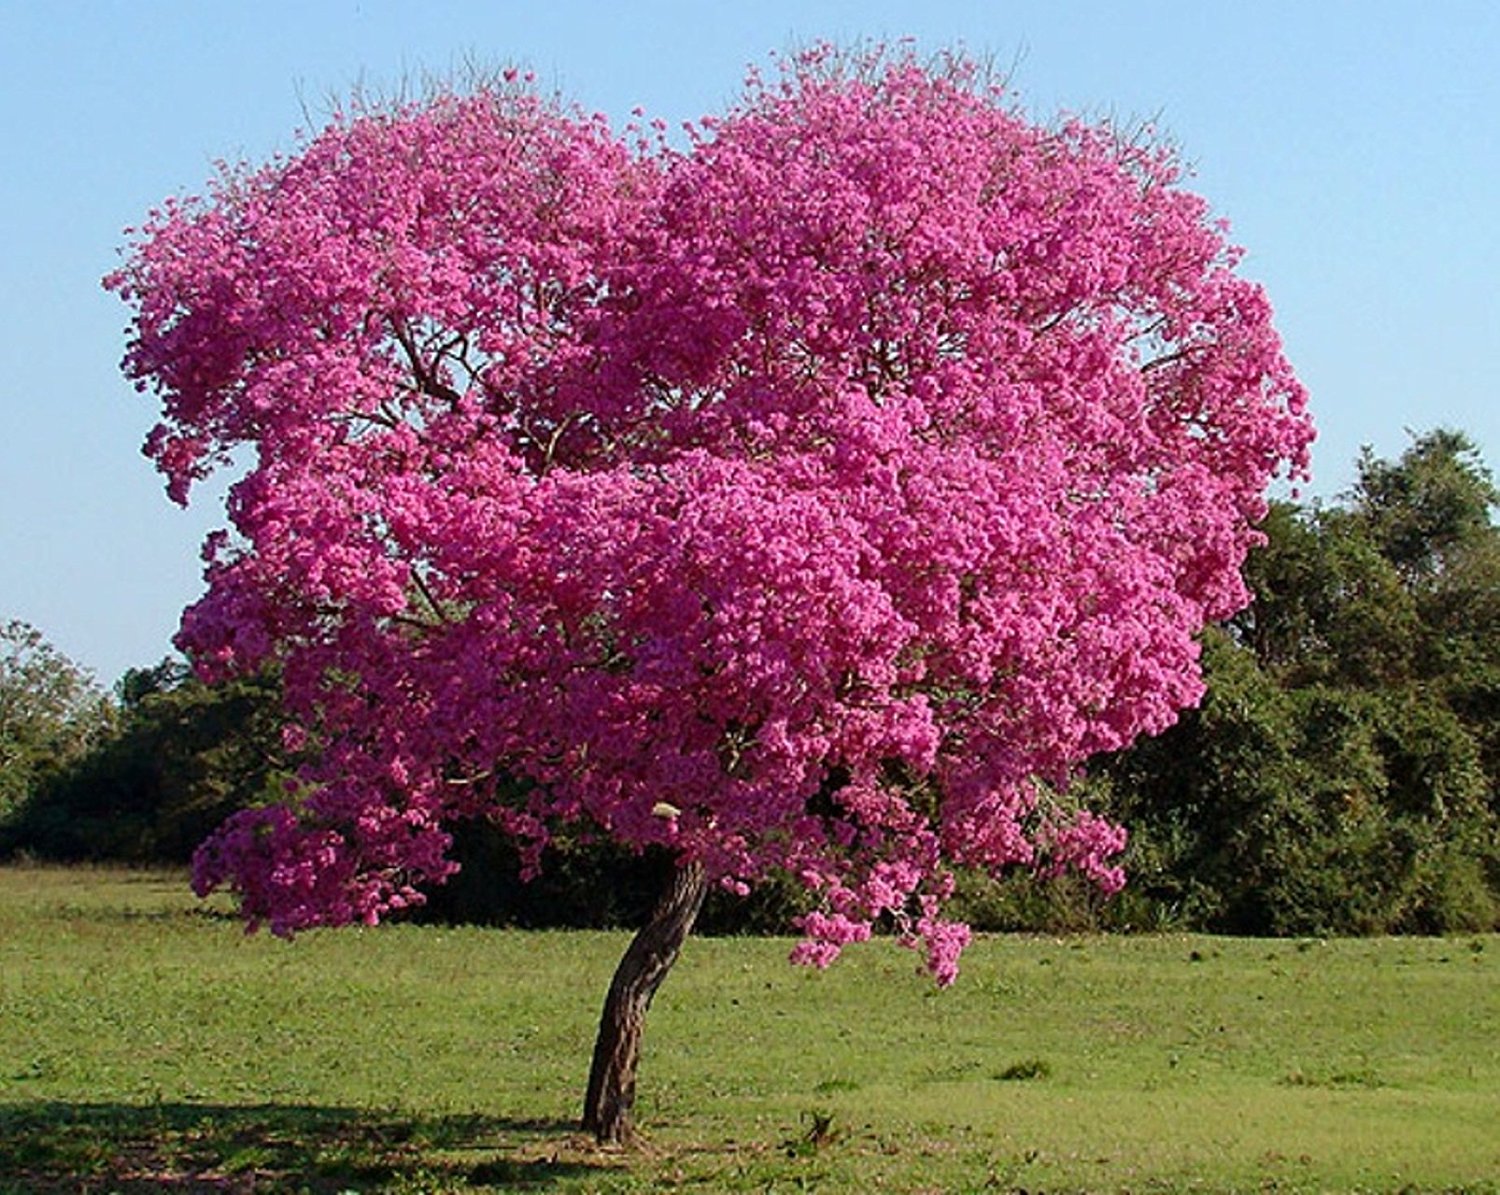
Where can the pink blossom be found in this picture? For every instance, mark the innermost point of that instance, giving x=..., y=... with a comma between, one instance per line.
x=831, y=481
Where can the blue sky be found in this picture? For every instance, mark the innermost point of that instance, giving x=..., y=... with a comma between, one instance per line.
x=1353, y=147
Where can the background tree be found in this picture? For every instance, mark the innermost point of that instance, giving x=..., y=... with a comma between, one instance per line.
x=1432, y=514
x=51, y=710
x=1429, y=511
x=180, y=758
x=812, y=499
x=1341, y=775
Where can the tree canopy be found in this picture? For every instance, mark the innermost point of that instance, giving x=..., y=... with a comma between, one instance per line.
x=807, y=498
x=51, y=710
x=175, y=759
x=1343, y=774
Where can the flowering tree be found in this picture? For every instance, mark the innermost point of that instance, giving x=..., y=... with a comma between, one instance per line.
x=813, y=497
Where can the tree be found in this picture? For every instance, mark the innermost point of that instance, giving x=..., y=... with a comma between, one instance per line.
x=180, y=757
x=1340, y=775
x=1425, y=510
x=1432, y=514
x=802, y=500
x=50, y=711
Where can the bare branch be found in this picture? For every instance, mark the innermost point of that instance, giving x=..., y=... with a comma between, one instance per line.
x=427, y=381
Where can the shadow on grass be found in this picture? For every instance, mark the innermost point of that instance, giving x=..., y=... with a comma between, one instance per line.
x=83, y=1148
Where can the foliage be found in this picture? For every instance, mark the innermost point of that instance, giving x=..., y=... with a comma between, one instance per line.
x=50, y=711
x=791, y=502
x=1426, y=512
x=1339, y=777
x=1341, y=773
x=146, y=1046
x=181, y=758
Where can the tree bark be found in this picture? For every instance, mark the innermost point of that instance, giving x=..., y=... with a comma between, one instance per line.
x=611, y=1091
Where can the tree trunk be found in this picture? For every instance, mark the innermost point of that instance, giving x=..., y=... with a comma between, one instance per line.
x=611, y=1093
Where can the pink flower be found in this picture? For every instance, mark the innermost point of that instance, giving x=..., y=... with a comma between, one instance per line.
x=827, y=481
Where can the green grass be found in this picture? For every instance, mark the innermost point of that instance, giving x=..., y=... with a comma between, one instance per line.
x=147, y=1044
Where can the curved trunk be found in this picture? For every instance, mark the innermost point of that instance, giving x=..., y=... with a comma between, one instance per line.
x=611, y=1092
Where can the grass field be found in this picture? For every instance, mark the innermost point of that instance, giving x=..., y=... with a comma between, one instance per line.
x=146, y=1044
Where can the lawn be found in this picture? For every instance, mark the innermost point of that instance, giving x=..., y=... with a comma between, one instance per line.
x=147, y=1044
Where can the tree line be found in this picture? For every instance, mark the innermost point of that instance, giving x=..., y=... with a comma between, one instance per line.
x=1341, y=775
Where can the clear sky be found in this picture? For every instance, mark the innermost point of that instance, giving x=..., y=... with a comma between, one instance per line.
x=1354, y=147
